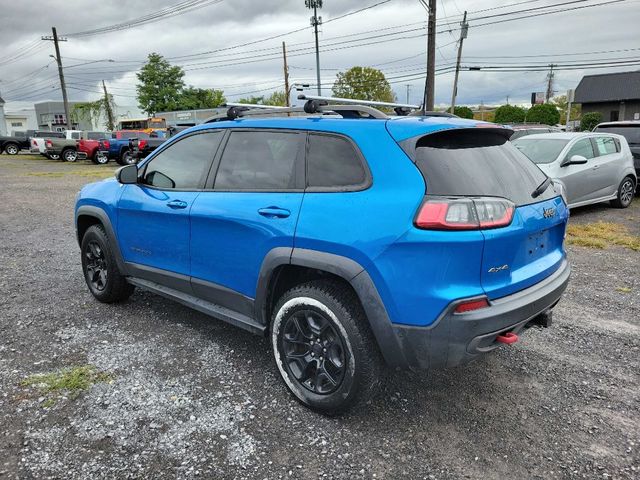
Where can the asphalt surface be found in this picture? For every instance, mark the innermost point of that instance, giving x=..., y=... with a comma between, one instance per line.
x=193, y=397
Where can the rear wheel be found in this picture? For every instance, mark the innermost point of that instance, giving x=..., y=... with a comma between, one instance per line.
x=52, y=156
x=323, y=347
x=11, y=149
x=70, y=155
x=626, y=190
x=100, y=269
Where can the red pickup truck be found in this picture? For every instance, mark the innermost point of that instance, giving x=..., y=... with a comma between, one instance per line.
x=90, y=145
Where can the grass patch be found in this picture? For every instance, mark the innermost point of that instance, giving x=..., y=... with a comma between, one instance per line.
x=70, y=381
x=602, y=234
x=82, y=173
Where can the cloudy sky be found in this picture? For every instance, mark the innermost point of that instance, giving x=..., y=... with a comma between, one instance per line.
x=207, y=42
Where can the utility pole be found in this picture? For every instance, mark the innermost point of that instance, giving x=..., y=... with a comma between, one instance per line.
x=507, y=99
x=408, y=87
x=63, y=87
x=430, y=81
x=107, y=106
x=464, y=28
x=570, y=96
x=315, y=21
x=286, y=74
x=550, y=76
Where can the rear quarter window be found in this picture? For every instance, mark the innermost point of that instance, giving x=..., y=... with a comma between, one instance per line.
x=334, y=163
x=466, y=162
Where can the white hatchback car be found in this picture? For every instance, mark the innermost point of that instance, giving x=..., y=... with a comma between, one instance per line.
x=592, y=167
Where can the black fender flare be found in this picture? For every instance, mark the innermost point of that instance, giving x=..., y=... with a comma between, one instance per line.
x=349, y=270
x=101, y=215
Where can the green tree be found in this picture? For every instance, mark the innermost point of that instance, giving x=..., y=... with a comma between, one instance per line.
x=589, y=121
x=93, y=111
x=252, y=100
x=561, y=102
x=462, y=112
x=193, y=98
x=363, y=83
x=159, y=85
x=278, y=99
x=546, y=113
x=509, y=114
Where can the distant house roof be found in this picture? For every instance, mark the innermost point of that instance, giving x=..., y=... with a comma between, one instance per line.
x=608, y=87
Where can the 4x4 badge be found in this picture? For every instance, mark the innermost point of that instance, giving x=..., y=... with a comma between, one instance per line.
x=548, y=212
x=499, y=269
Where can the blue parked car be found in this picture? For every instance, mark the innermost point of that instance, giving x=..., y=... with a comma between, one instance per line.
x=355, y=244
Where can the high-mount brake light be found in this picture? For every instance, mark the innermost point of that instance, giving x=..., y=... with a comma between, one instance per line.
x=464, y=213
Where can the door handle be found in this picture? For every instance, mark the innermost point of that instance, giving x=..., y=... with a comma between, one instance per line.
x=274, y=212
x=176, y=204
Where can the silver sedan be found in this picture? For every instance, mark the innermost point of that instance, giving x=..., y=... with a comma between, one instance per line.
x=592, y=167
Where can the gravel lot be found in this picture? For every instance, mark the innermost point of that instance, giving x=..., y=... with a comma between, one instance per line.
x=192, y=397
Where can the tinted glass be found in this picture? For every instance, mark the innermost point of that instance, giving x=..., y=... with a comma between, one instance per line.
x=630, y=132
x=541, y=150
x=96, y=135
x=333, y=162
x=605, y=145
x=183, y=164
x=583, y=148
x=259, y=161
x=132, y=134
x=475, y=163
x=75, y=135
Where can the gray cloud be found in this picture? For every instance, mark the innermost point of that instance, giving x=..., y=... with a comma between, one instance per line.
x=234, y=22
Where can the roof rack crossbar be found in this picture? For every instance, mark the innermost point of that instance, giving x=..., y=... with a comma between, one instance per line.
x=351, y=101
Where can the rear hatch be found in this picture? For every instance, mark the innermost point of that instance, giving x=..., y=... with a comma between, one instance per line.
x=477, y=180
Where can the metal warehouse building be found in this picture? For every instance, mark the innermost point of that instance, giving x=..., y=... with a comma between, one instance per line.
x=187, y=118
x=615, y=95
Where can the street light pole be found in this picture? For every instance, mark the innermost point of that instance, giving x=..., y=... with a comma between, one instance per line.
x=463, y=34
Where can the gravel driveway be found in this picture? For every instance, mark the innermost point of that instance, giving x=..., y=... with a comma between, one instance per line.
x=188, y=396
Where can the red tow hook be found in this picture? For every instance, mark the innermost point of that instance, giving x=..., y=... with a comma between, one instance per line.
x=507, y=338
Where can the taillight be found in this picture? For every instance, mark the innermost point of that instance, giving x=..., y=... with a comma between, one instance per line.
x=34, y=143
x=48, y=143
x=106, y=144
x=464, y=213
x=142, y=144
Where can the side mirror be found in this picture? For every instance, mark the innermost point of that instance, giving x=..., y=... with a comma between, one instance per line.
x=574, y=160
x=127, y=175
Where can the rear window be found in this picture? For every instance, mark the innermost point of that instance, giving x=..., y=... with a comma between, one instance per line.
x=630, y=132
x=478, y=163
x=96, y=135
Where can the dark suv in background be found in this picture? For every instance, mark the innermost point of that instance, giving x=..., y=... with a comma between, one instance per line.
x=629, y=130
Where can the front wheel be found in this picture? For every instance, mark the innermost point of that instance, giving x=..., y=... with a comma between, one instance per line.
x=625, y=193
x=100, y=269
x=127, y=158
x=324, y=350
x=100, y=158
x=70, y=155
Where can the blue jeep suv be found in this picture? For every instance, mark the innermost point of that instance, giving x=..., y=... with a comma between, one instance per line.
x=356, y=245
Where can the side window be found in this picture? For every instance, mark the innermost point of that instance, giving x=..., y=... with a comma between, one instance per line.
x=583, y=148
x=605, y=145
x=332, y=162
x=183, y=164
x=260, y=160
x=75, y=135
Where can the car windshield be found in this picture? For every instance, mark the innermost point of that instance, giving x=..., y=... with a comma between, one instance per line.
x=630, y=132
x=541, y=150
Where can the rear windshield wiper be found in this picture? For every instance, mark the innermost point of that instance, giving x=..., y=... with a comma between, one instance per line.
x=540, y=189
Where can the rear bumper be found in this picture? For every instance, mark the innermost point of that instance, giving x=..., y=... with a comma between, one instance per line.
x=455, y=339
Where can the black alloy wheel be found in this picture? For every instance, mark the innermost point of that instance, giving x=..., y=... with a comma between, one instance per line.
x=96, y=266
x=314, y=352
